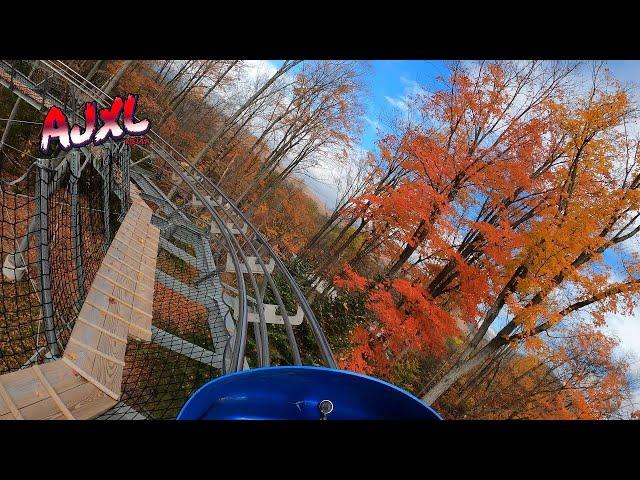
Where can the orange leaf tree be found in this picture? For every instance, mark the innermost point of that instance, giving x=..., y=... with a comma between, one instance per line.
x=517, y=181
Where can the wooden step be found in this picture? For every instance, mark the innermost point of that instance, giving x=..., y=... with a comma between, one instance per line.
x=51, y=391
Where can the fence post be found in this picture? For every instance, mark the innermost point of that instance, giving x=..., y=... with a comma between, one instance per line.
x=42, y=212
x=76, y=227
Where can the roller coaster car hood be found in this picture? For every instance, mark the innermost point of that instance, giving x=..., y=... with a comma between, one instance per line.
x=302, y=393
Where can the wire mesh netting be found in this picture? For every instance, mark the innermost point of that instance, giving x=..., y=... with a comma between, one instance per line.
x=55, y=230
x=189, y=333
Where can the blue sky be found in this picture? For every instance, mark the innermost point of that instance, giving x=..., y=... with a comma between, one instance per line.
x=391, y=81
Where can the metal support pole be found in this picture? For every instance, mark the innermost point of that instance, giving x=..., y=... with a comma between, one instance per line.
x=76, y=227
x=106, y=187
x=42, y=209
x=14, y=267
x=263, y=288
x=126, y=177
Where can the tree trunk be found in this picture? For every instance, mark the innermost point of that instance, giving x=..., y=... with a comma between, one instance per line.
x=110, y=85
x=466, y=365
x=335, y=256
x=418, y=237
x=325, y=229
x=94, y=69
x=460, y=370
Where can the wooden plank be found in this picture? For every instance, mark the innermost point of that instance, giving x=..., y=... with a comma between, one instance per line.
x=138, y=216
x=117, y=327
x=9, y=402
x=95, y=360
x=23, y=387
x=87, y=380
x=82, y=399
x=128, y=279
x=81, y=358
x=43, y=409
x=87, y=401
x=83, y=402
x=60, y=376
x=99, y=352
x=122, y=257
x=133, y=232
x=102, y=303
x=136, y=225
x=136, y=229
x=134, y=321
x=143, y=241
x=109, y=374
x=85, y=335
x=112, y=348
x=113, y=291
x=136, y=288
x=130, y=256
x=4, y=408
x=114, y=381
x=52, y=393
x=135, y=248
x=140, y=326
x=115, y=336
x=122, y=267
x=121, y=296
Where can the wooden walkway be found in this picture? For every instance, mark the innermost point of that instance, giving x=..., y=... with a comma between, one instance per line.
x=87, y=380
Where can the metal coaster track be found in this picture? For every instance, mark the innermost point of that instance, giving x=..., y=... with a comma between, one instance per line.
x=205, y=191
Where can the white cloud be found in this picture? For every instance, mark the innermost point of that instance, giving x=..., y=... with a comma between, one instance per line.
x=251, y=74
x=406, y=102
x=399, y=102
x=627, y=329
x=412, y=88
x=332, y=175
x=373, y=123
x=257, y=71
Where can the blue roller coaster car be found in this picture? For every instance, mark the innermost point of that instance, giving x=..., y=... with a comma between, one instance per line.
x=302, y=393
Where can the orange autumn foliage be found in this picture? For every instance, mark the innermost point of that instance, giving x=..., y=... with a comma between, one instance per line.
x=574, y=376
x=505, y=207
